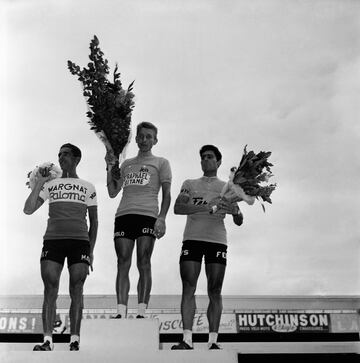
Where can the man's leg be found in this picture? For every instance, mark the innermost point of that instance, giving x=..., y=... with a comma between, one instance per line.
x=50, y=274
x=144, y=249
x=78, y=273
x=124, y=249
x=189, y=272
x=215, y=273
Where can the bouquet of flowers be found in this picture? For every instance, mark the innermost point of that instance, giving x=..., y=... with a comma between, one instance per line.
x=109, y=105
x=246, y=181
x=47, y=167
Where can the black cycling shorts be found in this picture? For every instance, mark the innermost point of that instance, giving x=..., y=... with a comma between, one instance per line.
x=133, y=226
x=195, y=250
x=76, y=251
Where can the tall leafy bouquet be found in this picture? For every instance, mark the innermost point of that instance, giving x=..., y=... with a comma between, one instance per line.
x=109, y=104
x=248, y=181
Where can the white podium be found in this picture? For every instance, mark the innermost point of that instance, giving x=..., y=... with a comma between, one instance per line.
x=120, y=335
x=118, y=340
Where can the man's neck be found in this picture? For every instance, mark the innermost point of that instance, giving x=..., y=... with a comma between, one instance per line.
x=142, y=154
x=210, y=174
x=69, y=174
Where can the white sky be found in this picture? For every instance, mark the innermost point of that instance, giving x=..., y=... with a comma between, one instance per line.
x=280, y=76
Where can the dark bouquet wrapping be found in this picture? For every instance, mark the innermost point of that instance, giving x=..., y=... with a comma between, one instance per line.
x=109, y=105
x=247, y=182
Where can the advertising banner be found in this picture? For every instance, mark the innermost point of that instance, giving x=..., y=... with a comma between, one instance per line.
x=283, y=322
x=20, y=323
x=168, y=323
x=239, y=322
x=345, y=323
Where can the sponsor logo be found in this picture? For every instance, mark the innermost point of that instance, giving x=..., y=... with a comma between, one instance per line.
x=199, y=201
x=184, y=252
x=119, y=234
x=140, y=178
x=67, y=196
x=85, y=258
x=147, y=230
x=93, y=195
x=284, y=328
x=283, y=322
x=67, y=187
x=221, y=254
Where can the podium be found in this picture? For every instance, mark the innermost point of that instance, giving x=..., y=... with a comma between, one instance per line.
x=125, y=340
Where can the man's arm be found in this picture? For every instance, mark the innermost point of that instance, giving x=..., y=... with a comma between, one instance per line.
x=113, y=185
x=34, y=202
x=93, y=227
x=183, y=207
x=160, y=226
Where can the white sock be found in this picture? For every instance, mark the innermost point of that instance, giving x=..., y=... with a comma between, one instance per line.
x=187, y=336
x=121, y=309
x=49, y=338
x=141, y=309
x=74, y=338
x=212, y=338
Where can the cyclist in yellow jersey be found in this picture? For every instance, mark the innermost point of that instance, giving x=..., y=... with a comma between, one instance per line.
x=138, y=217
x=204, y=235
x=67, y=236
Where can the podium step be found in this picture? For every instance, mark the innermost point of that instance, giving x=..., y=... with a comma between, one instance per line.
x=119, y=334
x=118, y=355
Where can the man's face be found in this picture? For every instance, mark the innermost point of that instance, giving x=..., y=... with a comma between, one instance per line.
x=67, y=160
x=145, y=139
x=208, y=161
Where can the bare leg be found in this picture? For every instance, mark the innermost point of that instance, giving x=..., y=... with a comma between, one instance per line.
x=50, y=274
x=189, y=271
x=78, y=273
x=215, y=273
x=124, y=248
x=144, y=249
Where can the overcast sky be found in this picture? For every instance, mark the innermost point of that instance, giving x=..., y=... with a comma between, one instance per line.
x=279, y=76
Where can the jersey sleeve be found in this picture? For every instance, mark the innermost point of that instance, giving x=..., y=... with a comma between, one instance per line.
x=92, y=198
x=165, y=172
x=185, y=188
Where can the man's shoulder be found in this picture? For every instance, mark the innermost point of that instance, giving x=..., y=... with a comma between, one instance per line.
x=86, y=183
x=129, y=161
x=193, y=181
x=219, y=181
x=160, y=159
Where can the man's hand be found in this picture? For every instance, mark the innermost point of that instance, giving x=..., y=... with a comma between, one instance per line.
x=227, y=207
x=43, y=175
x=160, y=227
x=91, y=263
x=110, y=158
x=214, y=202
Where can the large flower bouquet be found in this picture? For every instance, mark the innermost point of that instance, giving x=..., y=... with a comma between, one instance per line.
x=247, y=182
x=43, y=169
x=109, y=104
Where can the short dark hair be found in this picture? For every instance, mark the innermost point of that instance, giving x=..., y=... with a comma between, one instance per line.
x=146, y=125
x=212, y=148
x=74, y=149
